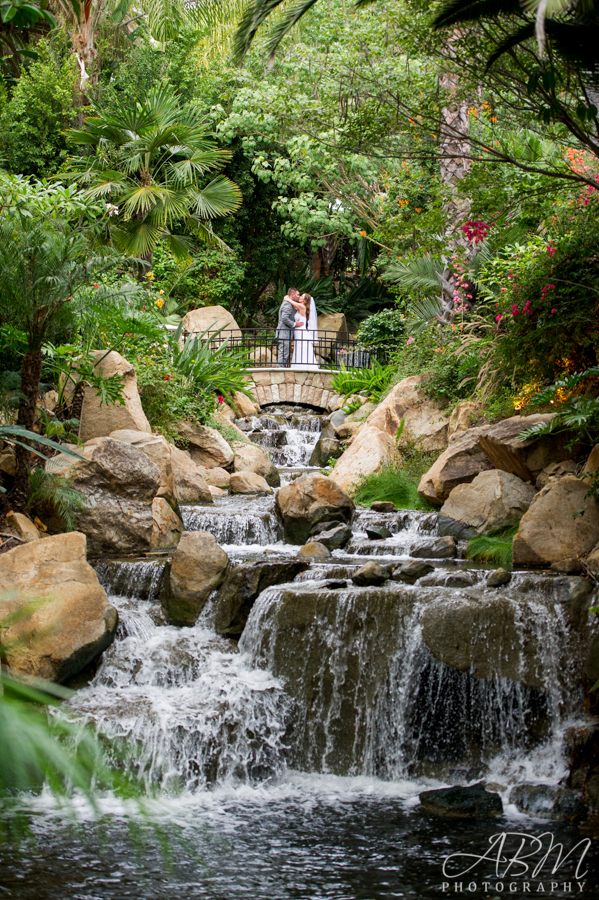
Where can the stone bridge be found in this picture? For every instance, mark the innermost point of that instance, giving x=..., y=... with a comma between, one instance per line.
x=308, y=387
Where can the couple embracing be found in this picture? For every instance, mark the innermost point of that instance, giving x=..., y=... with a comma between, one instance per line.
x=298, y=324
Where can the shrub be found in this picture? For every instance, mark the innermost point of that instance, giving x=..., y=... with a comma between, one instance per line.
x=53, y=495
x=374, y=380
x=392, y=483
x=382, y=329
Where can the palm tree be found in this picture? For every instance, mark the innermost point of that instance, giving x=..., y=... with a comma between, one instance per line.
x=43, y=265
x=20, y=21
x=148, y=161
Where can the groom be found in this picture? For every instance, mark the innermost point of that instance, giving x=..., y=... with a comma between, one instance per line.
x=286, y=327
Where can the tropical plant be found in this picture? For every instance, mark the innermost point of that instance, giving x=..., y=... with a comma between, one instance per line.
x=374, y=381
x=54, y=495
x=148, y=161
x=43, y=266
x=382, y=329
x=575, y=412
x=209, y=364
x=19, y=20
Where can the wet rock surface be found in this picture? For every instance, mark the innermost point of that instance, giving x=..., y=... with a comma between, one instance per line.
x=548, y=801
x=308, y=501
x=371, y=574
x=461, y=802
x=492, y=501
x=198, y=567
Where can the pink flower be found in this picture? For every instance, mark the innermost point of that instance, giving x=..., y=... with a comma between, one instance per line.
x=553, y=310
x=220, y=399
x=410, y=340
x=498, y=318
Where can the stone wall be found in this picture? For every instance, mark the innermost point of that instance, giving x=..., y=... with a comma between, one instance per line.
x=310, y=388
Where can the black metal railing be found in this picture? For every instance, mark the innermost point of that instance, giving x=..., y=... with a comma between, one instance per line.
x=323, y=349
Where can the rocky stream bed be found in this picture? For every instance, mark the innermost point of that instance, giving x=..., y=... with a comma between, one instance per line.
x=291, y=730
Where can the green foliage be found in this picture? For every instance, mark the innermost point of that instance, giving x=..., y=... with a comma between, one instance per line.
x=32, y=121
x=374, y=380
x=495, y=548
x=449, y=377
x=576, y=412
x=392, y=483
x=149, y=161
x=209, y=367
x=53, y=495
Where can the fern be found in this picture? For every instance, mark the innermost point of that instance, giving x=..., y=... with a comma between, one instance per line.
x=55, y=495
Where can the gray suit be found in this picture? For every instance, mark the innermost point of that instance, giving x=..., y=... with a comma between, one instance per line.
x=285, y=333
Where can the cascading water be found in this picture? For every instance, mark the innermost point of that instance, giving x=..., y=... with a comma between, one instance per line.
x=293, y=759
x=287, y=435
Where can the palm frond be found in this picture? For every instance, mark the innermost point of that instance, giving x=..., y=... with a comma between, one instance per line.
x=422, y=273
x=421, y=313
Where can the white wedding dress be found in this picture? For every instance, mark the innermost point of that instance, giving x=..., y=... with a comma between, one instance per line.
x=303, y=341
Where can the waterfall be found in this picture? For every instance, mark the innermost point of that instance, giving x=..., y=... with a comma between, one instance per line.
x=233, y=524
x=288, y=435
x=195, y=713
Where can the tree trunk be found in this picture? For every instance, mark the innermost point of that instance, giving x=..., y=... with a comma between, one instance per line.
x=31, y=373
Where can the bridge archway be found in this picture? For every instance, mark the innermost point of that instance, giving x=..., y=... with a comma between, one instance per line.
x=305, y=387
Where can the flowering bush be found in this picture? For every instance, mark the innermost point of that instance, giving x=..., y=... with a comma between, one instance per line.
x=543, y=297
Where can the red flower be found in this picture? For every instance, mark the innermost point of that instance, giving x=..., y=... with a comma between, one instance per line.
x=167, y=377
x=96, y=286
x=220, y=399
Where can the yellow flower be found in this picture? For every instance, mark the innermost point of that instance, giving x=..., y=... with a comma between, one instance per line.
x=150, y=275
x=363, y=233
x=160, y=302
x=161, y=292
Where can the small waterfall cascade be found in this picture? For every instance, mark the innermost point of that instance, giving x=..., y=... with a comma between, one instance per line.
x=185, y=699
x=288, y=435
x=235, y=523
x=445, y=678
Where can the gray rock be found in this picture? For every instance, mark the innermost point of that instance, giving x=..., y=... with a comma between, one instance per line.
x=242, y=585
x=377, y=532
x=498, y=578
x=335, y=538
x=441, y=548
x=325, y=449
x=411, y=571
x=370, y=574
x=462, y=802
x=548, y=801
x=460, y=579
x=337, y=418
x=336, y=584
x=383, y=506
x=314, y=550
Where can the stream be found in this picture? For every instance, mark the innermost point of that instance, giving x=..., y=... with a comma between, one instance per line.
x=290, y=768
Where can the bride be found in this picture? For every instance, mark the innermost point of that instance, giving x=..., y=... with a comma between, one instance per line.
x=306, y=332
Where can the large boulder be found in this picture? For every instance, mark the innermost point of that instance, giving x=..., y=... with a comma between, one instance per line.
x=370, y=449
x=156, y=448
x=198, y=566
x=249, y=483
x=505, y=450
x=67, y=619
x=120, y=483
x=493, y=500
x=244, y=405
x=462, y=416
x=424, y=421
x=167, y=527
x=241, y=587
x=101, y=419
x=207, y=447
x=251, y=458
x=189, y=479
x=210, y=318
x=309, y=500
x=463, y=460
x=22, y=527
x=562, y=523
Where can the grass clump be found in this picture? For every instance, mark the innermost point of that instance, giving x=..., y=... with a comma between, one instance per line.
x=392, y=483
x=495, y=548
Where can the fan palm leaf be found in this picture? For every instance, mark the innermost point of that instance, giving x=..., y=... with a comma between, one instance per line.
x=159, y=153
